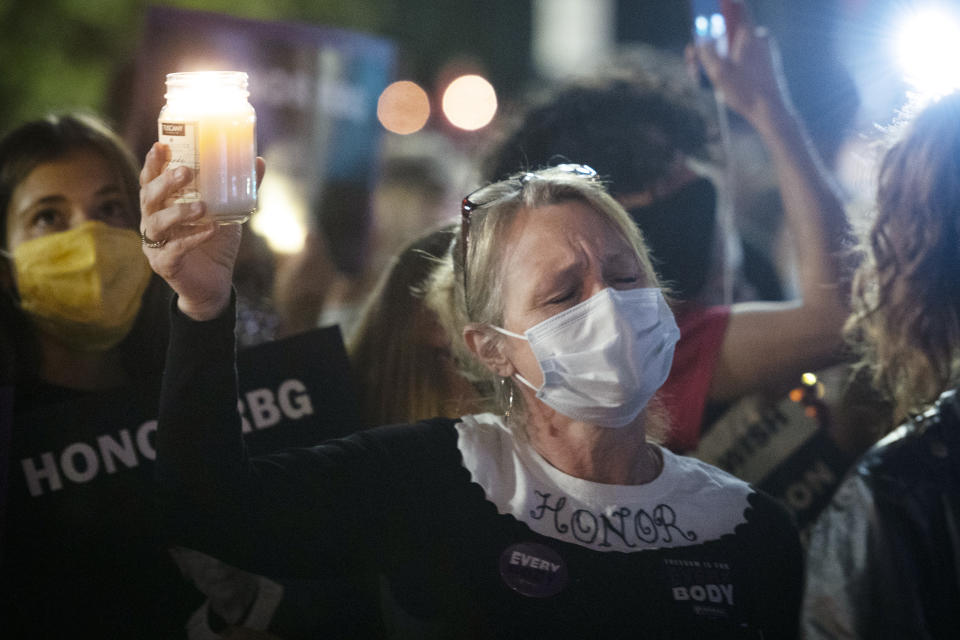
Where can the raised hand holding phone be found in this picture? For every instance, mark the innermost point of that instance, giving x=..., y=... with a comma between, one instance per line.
x=749, y=78
x=714, y=21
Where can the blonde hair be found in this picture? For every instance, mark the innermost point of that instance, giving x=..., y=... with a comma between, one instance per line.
x=397, y=363
x=478, y=297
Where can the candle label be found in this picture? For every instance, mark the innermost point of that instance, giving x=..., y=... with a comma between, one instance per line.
x=184, y=152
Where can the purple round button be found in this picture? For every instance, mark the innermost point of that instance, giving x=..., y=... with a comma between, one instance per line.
x=534, y=570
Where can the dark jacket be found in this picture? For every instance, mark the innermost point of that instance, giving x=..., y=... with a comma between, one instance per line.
x=884, y=558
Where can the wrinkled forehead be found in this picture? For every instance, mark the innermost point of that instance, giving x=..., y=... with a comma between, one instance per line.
x=546, y=239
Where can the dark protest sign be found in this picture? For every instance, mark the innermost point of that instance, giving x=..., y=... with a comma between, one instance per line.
x=81, y=511
x=296, y=391
x=782, y=447
x=293, y=392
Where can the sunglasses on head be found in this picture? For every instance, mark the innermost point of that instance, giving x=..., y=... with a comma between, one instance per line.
x=470, y=204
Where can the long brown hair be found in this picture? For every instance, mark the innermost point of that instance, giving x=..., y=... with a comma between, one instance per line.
x=906, y=320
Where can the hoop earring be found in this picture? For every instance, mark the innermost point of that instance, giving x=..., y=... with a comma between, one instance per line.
x=509, y=411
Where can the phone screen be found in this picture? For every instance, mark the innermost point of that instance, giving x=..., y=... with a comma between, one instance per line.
x=709, y=23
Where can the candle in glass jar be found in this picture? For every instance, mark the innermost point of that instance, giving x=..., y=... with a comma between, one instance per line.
x=210, y=127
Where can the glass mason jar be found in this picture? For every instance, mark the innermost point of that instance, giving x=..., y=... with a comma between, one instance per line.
x=210, y=127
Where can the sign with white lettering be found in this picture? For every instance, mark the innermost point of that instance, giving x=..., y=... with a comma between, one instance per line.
x=81, y=485
x=293, y=392
x=297, y=391
x=782, y=447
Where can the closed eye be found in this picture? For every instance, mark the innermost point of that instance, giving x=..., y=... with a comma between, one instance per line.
x=627, y=281
x=561, y=298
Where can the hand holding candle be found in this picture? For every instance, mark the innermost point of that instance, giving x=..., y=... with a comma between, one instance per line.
x=194, y=254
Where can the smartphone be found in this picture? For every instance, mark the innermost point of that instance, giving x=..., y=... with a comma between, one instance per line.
x=716, y=21
x=710, y=24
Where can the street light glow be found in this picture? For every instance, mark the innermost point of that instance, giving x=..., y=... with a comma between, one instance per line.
x=470, y=102
x=403, y=107
x=928, y=51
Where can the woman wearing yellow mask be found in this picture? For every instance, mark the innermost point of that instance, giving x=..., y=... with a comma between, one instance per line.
x=74, y=278
x=83, y=328
x=82, y=334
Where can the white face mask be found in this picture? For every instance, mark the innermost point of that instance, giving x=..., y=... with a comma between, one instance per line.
x=603, y=359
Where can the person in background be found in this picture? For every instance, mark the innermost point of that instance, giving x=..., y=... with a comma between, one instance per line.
x=84, y=325
x=404, y=369
x=400, y=353
x=258, y=320
x=83, y=318
x=69, y=335
x=883, y=557
x=412, y=195
x=646, y=136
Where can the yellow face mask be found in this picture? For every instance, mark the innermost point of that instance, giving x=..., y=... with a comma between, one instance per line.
x=83, y=286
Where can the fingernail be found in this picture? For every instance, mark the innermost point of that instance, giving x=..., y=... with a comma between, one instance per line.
x=181, y=173
x=196, y=207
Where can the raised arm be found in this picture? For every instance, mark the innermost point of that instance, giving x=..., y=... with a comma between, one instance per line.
x=199, y=446
x=304, y=512
x=206, y=482
x=768, y=344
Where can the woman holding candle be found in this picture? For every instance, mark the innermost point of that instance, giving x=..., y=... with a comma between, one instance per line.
x=555, y=516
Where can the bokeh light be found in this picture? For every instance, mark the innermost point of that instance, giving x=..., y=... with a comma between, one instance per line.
x=718, y=26
x=403, y=107
x=470, y=102
x=281, y=215
x=928, y=50
x=702, y=26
